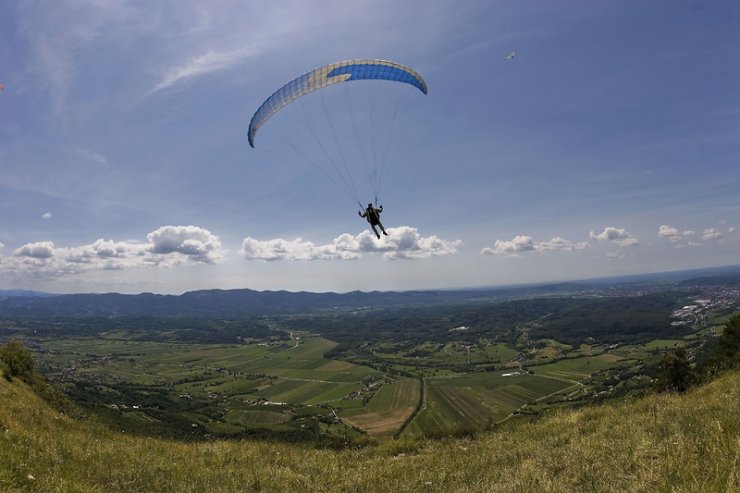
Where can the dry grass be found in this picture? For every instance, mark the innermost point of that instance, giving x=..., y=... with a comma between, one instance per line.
x=661, y=443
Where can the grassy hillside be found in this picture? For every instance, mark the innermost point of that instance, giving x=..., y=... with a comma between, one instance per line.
x=660, y=443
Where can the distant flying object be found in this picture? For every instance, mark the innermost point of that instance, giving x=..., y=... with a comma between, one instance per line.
x=2, y=86
x=510, y=56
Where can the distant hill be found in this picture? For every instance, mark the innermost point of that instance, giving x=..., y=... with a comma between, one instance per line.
x=241, y=302
x=23, y=292
x=662, y=442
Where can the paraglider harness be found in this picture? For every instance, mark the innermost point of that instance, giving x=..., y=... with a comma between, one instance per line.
x=371, y=214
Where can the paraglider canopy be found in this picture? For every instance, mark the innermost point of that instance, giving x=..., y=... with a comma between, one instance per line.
x=346, y=134
x=332, y=74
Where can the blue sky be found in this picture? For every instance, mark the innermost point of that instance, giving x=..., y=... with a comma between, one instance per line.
x=609, y=144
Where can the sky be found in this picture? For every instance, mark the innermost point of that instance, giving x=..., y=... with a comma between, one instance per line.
x=608, y=145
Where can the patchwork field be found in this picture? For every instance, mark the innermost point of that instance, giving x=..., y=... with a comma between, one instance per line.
x=472, y=402
x=579, y=368
x=288, y=385
x=389, y=408
x=229, y=382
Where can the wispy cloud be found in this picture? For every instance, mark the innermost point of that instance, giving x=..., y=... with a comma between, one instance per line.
x=204, y=64
x=57, y=33
x=96, y=157
x=711, y=234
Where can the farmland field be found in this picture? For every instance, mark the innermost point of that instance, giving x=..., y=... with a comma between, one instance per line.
x=578, y=368
x=385, y=371
x=389, y=408
x=204, y=380
x=471, y=402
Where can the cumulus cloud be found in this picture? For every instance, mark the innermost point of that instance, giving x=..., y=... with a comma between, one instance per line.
x=298, y=249
x=731, y=229
x=711, y=234
x=191, y=241
x=673, y=234
x=669, y=232
x=40, y=249
x=167, y=246
x=524, y=243
x=520, y=243
x=47, y=215
x=561, y=244
x=620, y=236
x=401, y=243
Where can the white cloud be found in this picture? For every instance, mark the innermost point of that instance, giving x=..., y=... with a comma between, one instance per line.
x=407, y=243
x=674, y=234
x=520, y=243
x=401, y=243
x=191, y=241
x=731, y=229
x=669, y=232
x=620, y=236
x=711, y=234
x=298, y=249
x=626, y=242
x=167, y=246
x=524, y=243
x=40, y=249
x=47, y=215
x=694, y=244
x=204, y=64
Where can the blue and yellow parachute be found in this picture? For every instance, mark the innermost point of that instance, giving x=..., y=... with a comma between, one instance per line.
x=332, y=74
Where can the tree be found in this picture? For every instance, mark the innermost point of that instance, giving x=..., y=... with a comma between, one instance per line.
x=18, y=360
x=677, y=374
x=727, y=352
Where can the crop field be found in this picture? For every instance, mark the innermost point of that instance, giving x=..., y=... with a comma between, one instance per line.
x=450, y=354
x=389, y=408
x=215, y=379
x=249, y=417
x=578, y=368
x=471, y=402
x=284, y=383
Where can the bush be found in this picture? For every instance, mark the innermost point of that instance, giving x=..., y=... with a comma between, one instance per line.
x=17, y=360
x=677, y=374
x=727, y=352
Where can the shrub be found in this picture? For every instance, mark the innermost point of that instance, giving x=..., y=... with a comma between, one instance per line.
x=727, y=352
x=18, y=360
x=677, y=374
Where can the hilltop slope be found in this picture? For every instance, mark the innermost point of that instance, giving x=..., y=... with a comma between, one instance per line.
x=659, y=443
